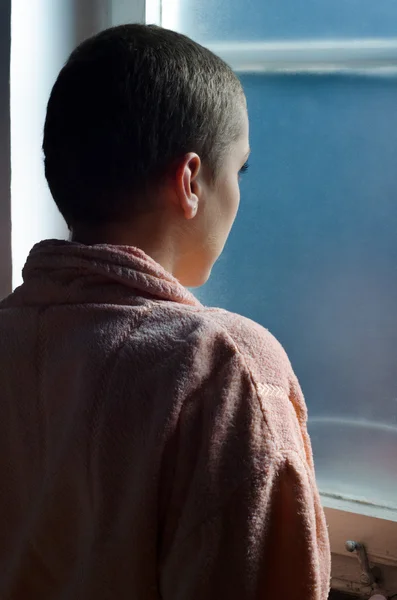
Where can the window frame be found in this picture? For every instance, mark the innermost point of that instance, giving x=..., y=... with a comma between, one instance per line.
x=366, y=56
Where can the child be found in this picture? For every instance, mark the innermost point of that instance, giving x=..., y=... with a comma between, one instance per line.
x=150, y=447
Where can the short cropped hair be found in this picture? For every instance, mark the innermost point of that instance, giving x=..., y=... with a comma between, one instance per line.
x=128, y=103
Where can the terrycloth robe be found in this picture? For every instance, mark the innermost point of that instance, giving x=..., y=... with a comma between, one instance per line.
x=150, y=447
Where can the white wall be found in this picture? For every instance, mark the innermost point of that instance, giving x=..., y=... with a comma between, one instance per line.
x=44, y=32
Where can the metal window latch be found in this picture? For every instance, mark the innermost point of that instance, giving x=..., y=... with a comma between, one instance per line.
x=368, y=577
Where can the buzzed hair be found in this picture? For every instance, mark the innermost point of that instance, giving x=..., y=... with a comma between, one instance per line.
x=127, y=104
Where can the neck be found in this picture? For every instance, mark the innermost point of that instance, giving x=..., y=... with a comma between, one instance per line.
x=148, y=233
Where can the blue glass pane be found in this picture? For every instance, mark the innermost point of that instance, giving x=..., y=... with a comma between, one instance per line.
x=313, y=257
x=211, y=20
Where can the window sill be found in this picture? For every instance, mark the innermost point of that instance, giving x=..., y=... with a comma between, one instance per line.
x=378, y=534
x=352, y=505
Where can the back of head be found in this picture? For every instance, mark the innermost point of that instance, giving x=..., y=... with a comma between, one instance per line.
x=128, y=103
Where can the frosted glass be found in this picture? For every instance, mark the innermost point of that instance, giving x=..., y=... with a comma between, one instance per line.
x=214, y=20
x=313, y=257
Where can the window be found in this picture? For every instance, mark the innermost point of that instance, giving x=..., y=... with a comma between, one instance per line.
x=319, y=217
x=313, y=252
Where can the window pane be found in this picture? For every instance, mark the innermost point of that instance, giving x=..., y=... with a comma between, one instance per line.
x=313, y=257
x=214, y=20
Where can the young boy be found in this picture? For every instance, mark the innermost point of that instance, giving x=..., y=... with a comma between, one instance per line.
x=150, y=447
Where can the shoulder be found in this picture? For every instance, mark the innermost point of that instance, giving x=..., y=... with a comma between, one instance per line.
x=201, y=341
x=216, y=330
x=262, y=353
x=248, y=338
x=242, y=376
x=270, y=371
x=217, y=368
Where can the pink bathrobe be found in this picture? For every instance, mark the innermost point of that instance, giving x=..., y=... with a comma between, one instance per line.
x=149, y=447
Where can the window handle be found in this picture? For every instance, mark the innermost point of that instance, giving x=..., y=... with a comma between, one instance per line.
x=367, y=574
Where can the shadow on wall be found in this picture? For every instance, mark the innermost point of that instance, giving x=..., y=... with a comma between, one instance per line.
x=90, y=17
x=5, y=158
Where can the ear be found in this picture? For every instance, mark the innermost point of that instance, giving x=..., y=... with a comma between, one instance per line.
x=188, y=188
